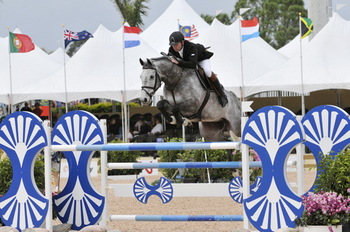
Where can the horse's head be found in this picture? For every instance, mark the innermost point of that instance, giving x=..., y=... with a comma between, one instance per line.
x=150, y=81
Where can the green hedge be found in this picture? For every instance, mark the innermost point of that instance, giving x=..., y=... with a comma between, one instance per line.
x=105, y=107
x=200, y=174
x=123, y=156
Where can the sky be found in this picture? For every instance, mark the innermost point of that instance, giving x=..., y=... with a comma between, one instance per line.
x=44, y=20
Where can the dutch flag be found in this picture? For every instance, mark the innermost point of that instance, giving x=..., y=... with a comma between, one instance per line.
x=250, y=29
x=131, y=36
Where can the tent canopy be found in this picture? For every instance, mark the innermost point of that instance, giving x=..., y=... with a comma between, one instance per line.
x=95, y=71
x=325, y=64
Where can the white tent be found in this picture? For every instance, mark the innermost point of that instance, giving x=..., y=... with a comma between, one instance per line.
x=293, y=47
x=58, y=56
x=26, y=69
x=95, y=71
x=258, y=56
x=178, y=12
x=325, y=64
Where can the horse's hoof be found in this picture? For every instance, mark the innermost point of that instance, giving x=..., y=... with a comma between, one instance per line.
x=173, y=120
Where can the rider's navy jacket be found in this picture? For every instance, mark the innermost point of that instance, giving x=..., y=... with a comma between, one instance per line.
x=192, y=53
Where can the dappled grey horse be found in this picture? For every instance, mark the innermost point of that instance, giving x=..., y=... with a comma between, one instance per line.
x=187, y=100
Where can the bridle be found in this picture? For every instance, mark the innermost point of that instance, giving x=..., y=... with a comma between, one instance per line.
x=153, y=88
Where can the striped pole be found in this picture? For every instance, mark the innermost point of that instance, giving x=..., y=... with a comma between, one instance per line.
x=176, y=218
x=168, y=165
x=149, y=146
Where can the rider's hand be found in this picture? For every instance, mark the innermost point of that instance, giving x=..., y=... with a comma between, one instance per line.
x=175, y=61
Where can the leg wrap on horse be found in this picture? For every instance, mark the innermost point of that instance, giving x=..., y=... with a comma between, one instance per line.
x=219, y=89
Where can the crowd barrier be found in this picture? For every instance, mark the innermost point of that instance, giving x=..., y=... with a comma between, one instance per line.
x=271, y=131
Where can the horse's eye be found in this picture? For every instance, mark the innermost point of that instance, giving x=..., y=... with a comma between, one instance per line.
x=152, y=76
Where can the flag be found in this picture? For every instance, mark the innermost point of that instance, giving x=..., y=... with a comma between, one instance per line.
x=306, y=27
x=20, y=43
x=189, y=32
x=70, y=36
x=131, y=36
x=250, y=29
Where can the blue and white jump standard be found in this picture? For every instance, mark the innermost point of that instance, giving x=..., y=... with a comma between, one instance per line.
x=269, y=204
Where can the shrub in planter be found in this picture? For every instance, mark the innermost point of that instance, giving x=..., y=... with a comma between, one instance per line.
x=334, y=173
x=334, y=176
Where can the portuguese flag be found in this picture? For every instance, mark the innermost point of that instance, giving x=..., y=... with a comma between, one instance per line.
x=20, y=43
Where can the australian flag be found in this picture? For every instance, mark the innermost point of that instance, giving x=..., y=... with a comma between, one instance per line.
x=70, y=36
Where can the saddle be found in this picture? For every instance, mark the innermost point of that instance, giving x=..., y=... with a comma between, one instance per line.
x=204, y=80
x=207, y=86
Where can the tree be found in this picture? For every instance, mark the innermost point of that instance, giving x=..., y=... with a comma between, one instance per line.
x=278, y=19
x=132, y=11
x=223, y=18
x=74, y=47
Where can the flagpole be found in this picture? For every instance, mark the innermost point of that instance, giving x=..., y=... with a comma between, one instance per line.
x=241, y=11
x=301, y=70
x=10, y=72
x=65, y=72
x=124, y=91
x=241, y=57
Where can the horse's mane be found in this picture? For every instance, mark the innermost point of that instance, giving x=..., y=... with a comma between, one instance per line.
x=160, y=58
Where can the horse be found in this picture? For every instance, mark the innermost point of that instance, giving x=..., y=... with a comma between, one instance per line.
x=186, y=100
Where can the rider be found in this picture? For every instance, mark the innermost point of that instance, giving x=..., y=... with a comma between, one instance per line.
x=191, y=54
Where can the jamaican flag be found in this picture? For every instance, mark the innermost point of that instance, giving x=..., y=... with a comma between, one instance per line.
x=306, y=27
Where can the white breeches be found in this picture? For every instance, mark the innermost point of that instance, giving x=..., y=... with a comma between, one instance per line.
x=205, y=64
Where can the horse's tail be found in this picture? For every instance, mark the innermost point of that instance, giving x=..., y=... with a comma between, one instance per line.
x=235, y=114
x=236, y=100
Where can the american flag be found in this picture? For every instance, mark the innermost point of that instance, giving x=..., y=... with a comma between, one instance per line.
x=70, y=36
x=189, y=32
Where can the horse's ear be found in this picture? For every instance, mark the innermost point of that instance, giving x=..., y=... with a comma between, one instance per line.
x=141, y=62
x=149, y=62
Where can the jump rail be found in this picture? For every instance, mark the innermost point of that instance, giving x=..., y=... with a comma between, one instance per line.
x=149, y=146
x=176, y=217
x=235, y=164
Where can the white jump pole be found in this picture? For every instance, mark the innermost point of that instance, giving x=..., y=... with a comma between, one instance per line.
x=47, y=170
x=104, y=174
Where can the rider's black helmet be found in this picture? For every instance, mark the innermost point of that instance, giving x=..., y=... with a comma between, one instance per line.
x=175, y=38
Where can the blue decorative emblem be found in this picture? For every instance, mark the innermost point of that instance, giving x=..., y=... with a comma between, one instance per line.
x=235, y=188
x=327, y=130
x=142, y=190
x=273, y=132
x=21, y=137
x=78, y=204
x=255, y=186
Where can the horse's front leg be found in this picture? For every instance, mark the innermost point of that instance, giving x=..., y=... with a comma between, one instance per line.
x=172, y=113
x=167, y=110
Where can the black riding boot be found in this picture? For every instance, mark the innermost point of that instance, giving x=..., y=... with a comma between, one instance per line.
x=219, y=90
